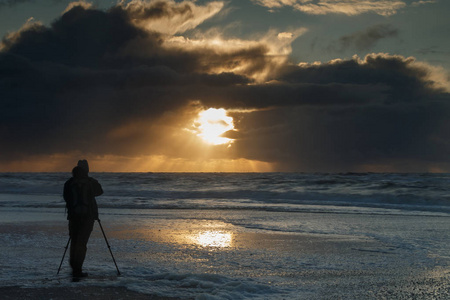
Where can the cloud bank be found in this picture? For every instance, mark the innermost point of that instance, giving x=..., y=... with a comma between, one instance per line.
x=114, y=85
x=346, y=7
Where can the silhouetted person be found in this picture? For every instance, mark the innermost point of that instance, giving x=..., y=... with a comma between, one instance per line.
x=82, y=211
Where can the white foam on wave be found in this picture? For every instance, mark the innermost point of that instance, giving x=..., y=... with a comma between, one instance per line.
x=199, y=286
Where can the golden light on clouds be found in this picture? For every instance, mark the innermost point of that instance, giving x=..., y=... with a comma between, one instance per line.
x=346, y=7
x=170, y=17
x=211, y=124
x=242, y=57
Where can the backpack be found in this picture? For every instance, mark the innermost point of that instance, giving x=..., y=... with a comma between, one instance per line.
x=80, y=198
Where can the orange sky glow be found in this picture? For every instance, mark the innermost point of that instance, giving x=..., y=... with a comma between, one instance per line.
x=203, y=137
x=153, y=163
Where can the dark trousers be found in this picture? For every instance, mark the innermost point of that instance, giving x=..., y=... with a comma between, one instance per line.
x=79, y=231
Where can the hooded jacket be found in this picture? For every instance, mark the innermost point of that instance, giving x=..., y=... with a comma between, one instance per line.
x=79, y=194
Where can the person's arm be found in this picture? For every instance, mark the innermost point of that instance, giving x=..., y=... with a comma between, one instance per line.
x=97, y=191
x=96, y=187
x=67, y=193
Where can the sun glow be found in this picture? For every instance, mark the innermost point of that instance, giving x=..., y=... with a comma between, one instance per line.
x=216, y=239
x=211, y=124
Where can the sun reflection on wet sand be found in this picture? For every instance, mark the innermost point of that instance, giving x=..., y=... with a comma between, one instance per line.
x=206, y=234
x=218, y=239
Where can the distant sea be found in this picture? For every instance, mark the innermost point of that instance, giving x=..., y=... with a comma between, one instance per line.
x=245, y=191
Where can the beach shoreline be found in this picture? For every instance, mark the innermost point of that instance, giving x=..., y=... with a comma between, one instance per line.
x=181, y=254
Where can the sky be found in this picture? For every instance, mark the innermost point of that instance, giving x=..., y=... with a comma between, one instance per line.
x=225, y=86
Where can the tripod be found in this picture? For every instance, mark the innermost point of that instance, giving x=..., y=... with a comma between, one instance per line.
x=106, y=240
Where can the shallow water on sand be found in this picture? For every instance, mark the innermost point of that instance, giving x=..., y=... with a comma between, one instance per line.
x=236, y=254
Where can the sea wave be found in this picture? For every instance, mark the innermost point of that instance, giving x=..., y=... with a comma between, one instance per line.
x=259, y=191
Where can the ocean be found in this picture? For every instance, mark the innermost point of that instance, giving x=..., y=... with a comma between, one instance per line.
x=239, y=235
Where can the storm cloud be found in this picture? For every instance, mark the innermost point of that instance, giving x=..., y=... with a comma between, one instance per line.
x=111, y=83
x=380, y=113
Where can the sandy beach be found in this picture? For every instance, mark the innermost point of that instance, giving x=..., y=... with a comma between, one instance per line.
x=73, y=293
x=197, y=255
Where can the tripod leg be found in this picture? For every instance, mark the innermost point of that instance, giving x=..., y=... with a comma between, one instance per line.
x=109, y=247
x=67, y=246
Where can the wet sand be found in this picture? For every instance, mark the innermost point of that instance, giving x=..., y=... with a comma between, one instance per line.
x=74, y=293
x=298, y=266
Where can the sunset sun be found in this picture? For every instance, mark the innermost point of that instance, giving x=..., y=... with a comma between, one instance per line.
x=211, y=124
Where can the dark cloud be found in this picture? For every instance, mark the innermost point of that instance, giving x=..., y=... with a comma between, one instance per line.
x=72, y=83
x=81, y=37
x=97, y=82
x=348, y=139
x=365, y=39
x=400, y=122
